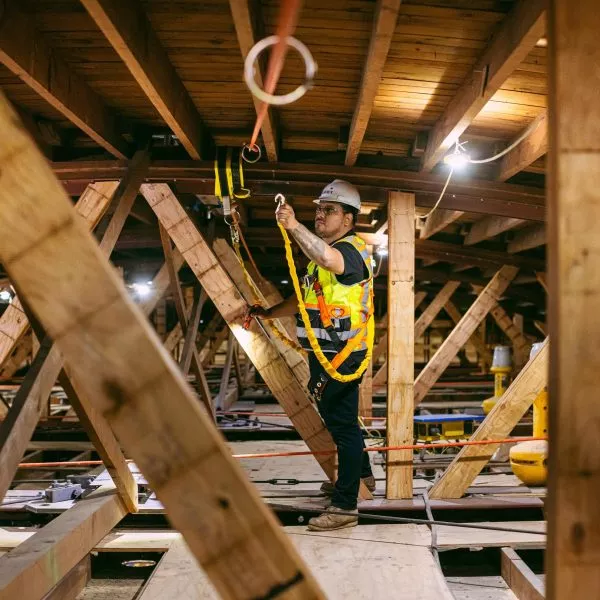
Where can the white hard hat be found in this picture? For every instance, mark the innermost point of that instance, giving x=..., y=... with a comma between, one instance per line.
x=340, y=191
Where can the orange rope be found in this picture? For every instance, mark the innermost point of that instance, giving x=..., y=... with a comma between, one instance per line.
x=288, y=19
x=388, y=448
x=85, y=463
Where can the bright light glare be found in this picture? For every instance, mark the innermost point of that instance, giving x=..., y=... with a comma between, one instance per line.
x=457, y=160
x=143, y=290
x=5, y=296
x=284, y=281
x=381, y=251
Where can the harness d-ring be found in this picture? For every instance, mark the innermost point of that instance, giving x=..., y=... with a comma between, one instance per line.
x=255, y=52
x=255, y=149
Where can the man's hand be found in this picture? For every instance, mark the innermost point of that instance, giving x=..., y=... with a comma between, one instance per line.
x=286, y=216
x=253, y=312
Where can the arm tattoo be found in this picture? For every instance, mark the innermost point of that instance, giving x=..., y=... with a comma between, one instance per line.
x=314, y=247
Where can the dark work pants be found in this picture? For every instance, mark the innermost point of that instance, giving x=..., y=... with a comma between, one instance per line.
x=339, y=409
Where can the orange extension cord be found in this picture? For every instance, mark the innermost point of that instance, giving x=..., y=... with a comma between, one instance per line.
x=91, y=463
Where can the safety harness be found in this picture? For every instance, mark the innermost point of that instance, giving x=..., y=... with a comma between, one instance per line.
x=366, y=331
x=229, y=177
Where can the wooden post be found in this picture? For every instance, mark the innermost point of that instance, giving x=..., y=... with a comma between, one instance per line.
x=463, y=331
x=574, y=289
x=509, y=409
x=85, y=308
x=401, y=342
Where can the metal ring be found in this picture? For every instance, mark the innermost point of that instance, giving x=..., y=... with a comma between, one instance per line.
x=258, y=151
x=310, y=71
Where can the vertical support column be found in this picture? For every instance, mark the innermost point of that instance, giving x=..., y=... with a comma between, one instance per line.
x=401, y=342
x=573, y=553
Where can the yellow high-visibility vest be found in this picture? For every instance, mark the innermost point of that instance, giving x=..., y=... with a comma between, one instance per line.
x=349, y=306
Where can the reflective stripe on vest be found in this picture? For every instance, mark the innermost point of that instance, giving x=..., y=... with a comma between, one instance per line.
x=349, y=305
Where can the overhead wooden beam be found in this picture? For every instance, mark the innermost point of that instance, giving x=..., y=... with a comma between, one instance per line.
x=248, y=28
x=527, y=238
x=489, y=227
x=305, y=179
x=573, y=560
x=438, y=220
x=524, y=583
x=26, y=53
x=498, y=424
x=85, y=308
x=35, y=566
x=384, y=25
x=127, y=28
x=225, y=296
x=401, y=342
x=463, y=331
x=534, y=146
x=516, y=36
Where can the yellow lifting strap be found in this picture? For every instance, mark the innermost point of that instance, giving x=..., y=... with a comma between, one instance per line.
x=229, y=174
x=329, y=367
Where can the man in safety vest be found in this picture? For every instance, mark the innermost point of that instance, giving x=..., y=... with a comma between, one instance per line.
x=337, y=292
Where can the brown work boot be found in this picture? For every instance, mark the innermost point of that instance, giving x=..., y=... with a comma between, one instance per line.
x=327, y=487
x=329, y=520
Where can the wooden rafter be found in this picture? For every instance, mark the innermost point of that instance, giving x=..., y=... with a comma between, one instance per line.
x=463, y=331
x=127, y=28
x=528, y=238
x=489, y=227
x=91, y=206
x=515, y=38
x=534, y=146
x=475, y=339
x=438, y=220
x=248, y=24
x=384, y=25
x=103, y=438
x=127, y=375
x=507, y=412
x=190, y=356
x=25, y=52
x=26, y=411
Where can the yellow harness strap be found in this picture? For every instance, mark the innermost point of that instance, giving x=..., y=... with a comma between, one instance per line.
x=330, y=367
